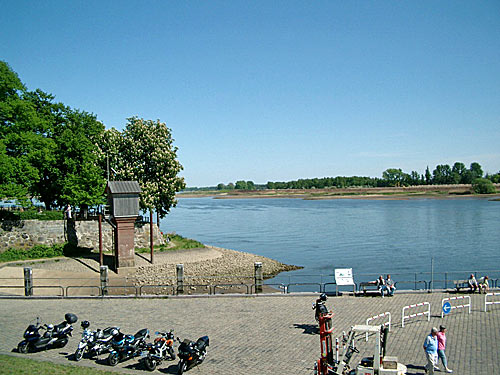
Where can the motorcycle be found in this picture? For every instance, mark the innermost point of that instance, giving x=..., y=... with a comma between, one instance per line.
x=191, y=353
x=53, y=337
x=127, y=346
x=320, y=307
x=160, y=350
x=93, y=342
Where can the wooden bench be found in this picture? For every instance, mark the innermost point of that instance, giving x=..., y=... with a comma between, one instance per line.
x=368, y=285
x=460, y=284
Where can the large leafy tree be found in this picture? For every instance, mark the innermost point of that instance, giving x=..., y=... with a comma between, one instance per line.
x=47, y=149
x=145, y=152
x=394, y=176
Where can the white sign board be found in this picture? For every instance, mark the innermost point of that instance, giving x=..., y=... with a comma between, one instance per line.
x=343, y=276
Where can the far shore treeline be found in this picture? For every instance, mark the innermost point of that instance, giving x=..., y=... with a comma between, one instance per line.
x=59, y=155
x=442, y=174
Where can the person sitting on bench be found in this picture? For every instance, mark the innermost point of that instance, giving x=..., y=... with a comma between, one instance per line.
x=483, y=284
x=388, y=286
x=381, y=285
x=472, y=283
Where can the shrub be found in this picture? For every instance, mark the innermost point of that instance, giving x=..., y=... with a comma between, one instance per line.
x=41, y=251
x=31, y=215
x=483, y=186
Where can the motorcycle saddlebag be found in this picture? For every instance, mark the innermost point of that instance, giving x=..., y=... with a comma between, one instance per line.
x=70, y=318
x=202, y=342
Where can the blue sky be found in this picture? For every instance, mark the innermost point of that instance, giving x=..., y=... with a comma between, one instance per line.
x=276, y=90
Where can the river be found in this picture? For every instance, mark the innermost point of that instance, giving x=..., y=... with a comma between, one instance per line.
x=401, y=237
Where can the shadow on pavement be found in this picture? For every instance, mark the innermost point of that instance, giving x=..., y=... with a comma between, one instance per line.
x=309, y=329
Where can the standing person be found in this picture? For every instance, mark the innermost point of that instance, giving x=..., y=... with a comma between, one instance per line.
x=441, y=336
x=430, y=349
x=68, y=212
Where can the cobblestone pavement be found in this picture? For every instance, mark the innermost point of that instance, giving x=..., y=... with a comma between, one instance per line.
x=267, y=335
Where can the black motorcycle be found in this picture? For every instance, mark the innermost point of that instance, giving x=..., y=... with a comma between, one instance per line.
x=160, y=350
x=320, y=307
x=127, y=346
x=94, y=342
x=53, y=337
x=191, y=353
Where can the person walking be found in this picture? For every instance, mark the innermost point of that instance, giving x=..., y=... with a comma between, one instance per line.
x=430, y=349
x=441, y=336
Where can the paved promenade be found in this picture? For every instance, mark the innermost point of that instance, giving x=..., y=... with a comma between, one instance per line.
x=267, y=335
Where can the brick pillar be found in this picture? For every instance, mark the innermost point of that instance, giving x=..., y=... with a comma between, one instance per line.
x=124, y=241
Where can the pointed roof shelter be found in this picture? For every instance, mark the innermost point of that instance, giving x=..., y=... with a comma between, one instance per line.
x=123, y=198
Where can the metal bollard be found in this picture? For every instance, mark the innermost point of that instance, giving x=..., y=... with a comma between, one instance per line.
x=180, y=278
x=104, y=280
x=28, y=281
x=258, y=277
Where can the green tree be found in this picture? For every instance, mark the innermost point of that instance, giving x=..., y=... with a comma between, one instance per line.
x=428, y=176
x=51, y=148
x=221, y=186
x=476, y=171
x=393, y=176
x=458, y=172
x=145, y=152
x=240, y=185
x=442, y=175
x=250, y=185
x=483, y=186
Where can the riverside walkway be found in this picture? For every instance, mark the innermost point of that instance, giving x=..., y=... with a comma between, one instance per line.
x=266, y=335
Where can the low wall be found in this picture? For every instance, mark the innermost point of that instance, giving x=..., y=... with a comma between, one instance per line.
x=27, y=233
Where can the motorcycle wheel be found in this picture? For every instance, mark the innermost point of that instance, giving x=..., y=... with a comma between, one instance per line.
x=78, y=354
x=62, y=343
x=113, y=359
x=181, y=367
x=171, y=353
x=22, y=347
x=150, y=363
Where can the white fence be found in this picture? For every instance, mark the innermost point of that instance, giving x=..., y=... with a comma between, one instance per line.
x=427, y=312
x=455, y=306
x=388, y=323
x=486, y=302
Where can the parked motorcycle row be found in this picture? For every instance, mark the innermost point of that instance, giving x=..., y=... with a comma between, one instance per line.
x=118, y=346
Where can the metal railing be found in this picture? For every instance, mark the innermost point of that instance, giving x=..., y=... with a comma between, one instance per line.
x=64, y=287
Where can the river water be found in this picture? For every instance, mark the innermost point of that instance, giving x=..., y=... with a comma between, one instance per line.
x=401, y=237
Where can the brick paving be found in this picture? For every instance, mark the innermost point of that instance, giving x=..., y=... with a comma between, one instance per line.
x=266, y=335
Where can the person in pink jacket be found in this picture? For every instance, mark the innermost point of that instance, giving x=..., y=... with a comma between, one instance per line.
x=441, y=337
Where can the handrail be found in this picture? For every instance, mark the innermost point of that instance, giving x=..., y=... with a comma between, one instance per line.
x=99, y=291
x=46, y=287
x=297, y=284
x=230, y=285
x=156, y=286
x=105, y=290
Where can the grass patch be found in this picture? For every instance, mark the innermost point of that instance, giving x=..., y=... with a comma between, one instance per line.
x=15, y=365
x=41, y=252
x=179, y=243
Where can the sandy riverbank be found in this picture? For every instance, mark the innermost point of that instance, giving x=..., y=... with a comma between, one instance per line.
x=382, y=193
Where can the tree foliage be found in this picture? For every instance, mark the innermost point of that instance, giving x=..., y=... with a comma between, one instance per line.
x=47, y=150
x=483, y=186
x=145, y=152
